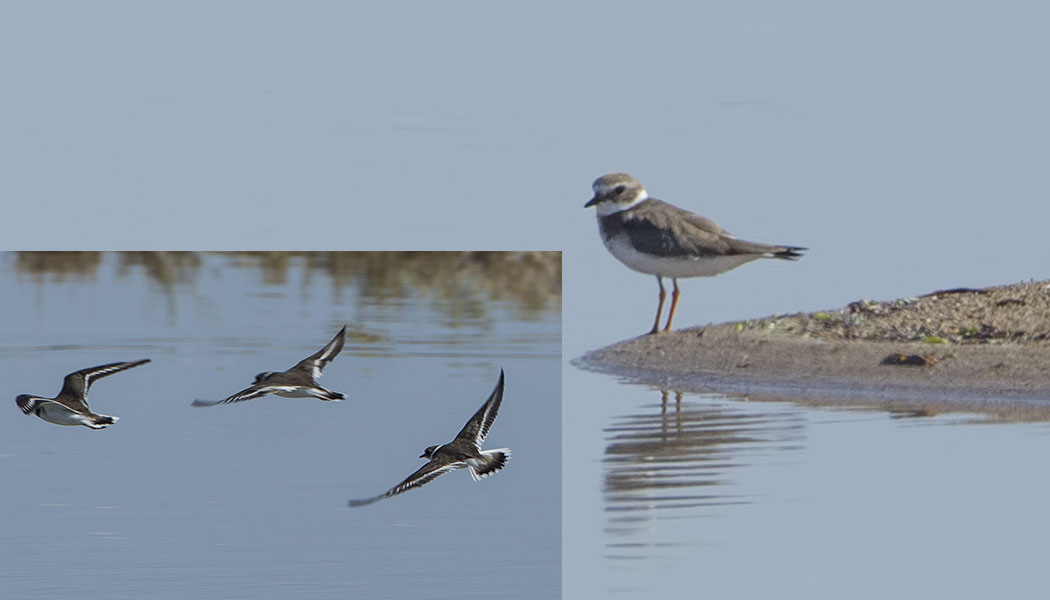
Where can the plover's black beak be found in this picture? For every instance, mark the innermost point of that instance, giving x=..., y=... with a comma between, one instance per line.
x=591, y=202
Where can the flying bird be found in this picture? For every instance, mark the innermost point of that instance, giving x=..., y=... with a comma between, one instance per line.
x=298, y=382
x=464, y=452
x=70, y=406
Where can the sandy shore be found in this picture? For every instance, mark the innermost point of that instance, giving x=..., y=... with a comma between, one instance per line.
x=985, y=350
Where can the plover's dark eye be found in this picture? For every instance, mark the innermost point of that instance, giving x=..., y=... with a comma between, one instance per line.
x=618, y=190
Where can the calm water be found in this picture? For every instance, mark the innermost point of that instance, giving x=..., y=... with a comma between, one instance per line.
x=771, y=500
x=670, y=493
x=249, y=500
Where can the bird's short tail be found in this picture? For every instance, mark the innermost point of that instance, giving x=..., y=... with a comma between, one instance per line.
x=789, y=252
x=100, y=421
x=492, y=461
x=331, y=396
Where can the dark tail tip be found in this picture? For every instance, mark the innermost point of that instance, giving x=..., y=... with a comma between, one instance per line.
x=790, y=252
x=500, y=462
x=496, y=461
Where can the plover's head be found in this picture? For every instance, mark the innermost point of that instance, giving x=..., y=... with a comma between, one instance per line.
x=261, y=377
x=429, y=452
x=615, y=192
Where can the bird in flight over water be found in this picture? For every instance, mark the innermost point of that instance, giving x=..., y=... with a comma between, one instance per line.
x=462, y=452
x=70, y=406
x=298, y=382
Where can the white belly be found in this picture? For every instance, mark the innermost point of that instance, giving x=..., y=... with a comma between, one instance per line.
x=60, y=415
x=668, y=266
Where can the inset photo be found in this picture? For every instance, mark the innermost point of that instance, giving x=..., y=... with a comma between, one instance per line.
x=242, y=424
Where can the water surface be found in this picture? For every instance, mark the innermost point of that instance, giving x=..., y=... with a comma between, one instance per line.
x=756, y=499
x=250, y=500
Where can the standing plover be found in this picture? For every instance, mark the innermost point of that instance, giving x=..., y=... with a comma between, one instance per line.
x=70, y=406
x=298, y=382
x=654, y=237
x=463, y=452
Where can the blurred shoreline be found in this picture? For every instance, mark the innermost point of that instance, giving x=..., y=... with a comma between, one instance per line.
x=531, y=281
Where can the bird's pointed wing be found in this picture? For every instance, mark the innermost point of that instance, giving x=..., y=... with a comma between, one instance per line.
x=478, y=426
x=27, y=404
x=316, y=362
x=427, y=473
x=248, y=393
x=77, y=384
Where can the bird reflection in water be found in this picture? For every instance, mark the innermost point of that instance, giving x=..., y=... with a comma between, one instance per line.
x=677, y=463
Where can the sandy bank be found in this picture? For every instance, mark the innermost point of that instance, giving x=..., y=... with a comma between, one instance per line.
x=983, y=349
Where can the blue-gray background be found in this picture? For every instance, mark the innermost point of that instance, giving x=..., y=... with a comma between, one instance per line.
x=906, y=143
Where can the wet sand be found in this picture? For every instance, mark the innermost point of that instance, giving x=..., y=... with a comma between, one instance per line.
x=983, y=350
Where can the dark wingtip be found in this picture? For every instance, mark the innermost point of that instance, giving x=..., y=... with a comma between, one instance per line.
x=25, y=403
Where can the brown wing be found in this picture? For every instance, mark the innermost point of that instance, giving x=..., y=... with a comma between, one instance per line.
x=76, y=385
x=427, y=473
x=478, y=426
x=316, y=362
x=661, y=229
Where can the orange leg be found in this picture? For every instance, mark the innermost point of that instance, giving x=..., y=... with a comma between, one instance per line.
x=659, y=307
x=674, y=304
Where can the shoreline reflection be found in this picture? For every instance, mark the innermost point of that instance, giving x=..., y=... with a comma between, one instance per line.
x=463, y=285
